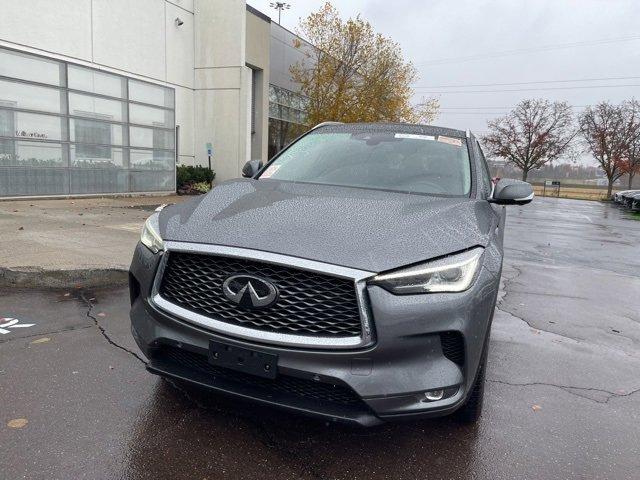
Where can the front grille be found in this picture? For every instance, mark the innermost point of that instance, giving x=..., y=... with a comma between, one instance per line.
x=453, y=346
x=309, y=303
x=294, y=386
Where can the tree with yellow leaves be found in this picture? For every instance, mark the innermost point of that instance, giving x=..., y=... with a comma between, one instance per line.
x=350, y=73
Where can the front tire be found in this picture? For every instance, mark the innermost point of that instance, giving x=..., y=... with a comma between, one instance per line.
x=470, y=412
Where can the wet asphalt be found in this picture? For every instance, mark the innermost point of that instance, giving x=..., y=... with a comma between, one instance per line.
x=562, y=400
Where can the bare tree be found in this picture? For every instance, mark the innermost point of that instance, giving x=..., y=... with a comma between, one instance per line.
x=609, y=131
x=630, y=165
x=533, y=134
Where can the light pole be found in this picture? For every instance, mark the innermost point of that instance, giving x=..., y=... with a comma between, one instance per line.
x=280, y=6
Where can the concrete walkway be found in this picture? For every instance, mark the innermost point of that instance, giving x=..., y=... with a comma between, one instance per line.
x=70, y=238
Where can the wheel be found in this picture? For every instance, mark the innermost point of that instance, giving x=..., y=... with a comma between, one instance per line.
x=470, y=412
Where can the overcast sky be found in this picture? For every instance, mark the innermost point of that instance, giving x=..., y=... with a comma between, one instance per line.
x=463, y=43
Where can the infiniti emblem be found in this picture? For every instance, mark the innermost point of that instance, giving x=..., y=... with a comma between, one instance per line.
x=249, y=291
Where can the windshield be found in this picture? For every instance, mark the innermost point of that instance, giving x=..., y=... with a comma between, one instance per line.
x=386, y=159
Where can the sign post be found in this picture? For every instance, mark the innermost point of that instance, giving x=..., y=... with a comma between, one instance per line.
x=554, y=184
x=209, y=153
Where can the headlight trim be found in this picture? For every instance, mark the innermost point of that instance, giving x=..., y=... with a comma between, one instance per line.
x=150, y=236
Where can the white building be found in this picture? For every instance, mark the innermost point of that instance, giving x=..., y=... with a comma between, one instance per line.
x=107, y=96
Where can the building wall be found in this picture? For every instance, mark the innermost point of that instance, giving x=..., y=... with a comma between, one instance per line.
x=221, y=86
x=258, y=59
x=211, y=60
x=286, y=49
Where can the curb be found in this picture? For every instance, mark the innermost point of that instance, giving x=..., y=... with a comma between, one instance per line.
x=30, y=277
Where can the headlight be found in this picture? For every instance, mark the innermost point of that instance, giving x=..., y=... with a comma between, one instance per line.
x=454, y=273
x=150, y=236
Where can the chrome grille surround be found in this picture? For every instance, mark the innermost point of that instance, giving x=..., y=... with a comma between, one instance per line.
x=365, y=339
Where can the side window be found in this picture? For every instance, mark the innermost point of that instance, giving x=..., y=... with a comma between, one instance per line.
x=486, y=174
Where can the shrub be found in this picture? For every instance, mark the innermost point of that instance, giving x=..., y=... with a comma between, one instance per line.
x=202, y=187
x=188, y=177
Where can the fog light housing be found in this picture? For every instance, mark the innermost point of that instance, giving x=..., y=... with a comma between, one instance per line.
x=434, y=395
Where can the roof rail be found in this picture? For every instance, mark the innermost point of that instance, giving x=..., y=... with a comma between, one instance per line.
x=468, y=133
x=326, y=123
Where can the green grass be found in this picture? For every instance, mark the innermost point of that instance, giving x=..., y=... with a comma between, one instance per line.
x=635, y=215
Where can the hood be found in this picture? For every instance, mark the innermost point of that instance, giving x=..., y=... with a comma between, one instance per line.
x=352, y=227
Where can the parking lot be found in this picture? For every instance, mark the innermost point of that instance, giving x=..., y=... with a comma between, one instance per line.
x=563, y=391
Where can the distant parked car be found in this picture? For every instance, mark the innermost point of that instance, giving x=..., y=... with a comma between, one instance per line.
x=618, y=196
x=626, y=198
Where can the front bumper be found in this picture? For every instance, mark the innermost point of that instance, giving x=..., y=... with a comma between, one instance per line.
x=415, y=338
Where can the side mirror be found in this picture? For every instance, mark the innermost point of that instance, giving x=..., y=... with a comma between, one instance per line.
x=512, y=192
x=251, y=168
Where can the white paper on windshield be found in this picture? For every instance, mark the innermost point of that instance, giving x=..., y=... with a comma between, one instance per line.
x=414, y=136
x=271, y=169
x=450, y=140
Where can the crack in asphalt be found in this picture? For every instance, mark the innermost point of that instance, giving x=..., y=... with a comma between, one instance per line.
x=553, y=295
x=505, y=294
x=570, y=389
x=563, y=264
x=507, y=312
x=103, y=332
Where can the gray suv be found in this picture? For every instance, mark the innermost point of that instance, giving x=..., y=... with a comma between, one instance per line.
x=353, y=277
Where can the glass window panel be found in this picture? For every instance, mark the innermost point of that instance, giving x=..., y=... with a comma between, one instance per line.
x=7, y=123
x=273, y=94
x=33, y=181
x=151, y=138
x=95, y=156
x=281, y=134
x=151, y=160
x=30, y=125
x=6, y=147
x=95, y=82
x=273, y=110
x=148, y=93
x=286, y=114
x=97, y=180
x=29, y=67
x=94, y=107
x=289, y=98
x=155, y=117
x=90, y=131
x=293, y=115
x=30, y=97
x=154, y=181
x=98, y=159
x=20, y=153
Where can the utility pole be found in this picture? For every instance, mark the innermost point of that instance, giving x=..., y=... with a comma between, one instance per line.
x=280, y=6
